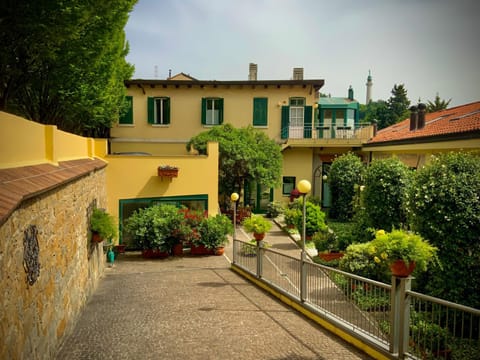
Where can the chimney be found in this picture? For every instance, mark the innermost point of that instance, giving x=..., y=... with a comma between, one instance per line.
x=297, y=73
x=421, y=116
x=350, y=93
x=413, y=117
x=252, y=74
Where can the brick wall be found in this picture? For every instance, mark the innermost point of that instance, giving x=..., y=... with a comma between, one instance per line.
x=35, y=316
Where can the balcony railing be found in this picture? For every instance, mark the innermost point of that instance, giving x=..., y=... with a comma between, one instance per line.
x=389, y=317
x=360, y=132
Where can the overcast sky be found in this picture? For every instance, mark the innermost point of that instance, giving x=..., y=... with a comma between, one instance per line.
x=429, y=46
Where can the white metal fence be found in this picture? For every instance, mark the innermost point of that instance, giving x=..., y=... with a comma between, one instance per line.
x=390, y=317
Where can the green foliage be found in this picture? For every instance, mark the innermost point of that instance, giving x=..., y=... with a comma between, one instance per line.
x=104, y=224
x=386, y=183
x=345, y=172
x=344, y=233
x=274, y=209
x=444, y=207
x=289, y=216
x=214, y=231
x=314, y=219
x=325, y=241
x=359, y=260
x=438, y=104
x=155, y=227
x=398, y=105
x=257, y=224
x=398, y=244
x=246, y=155
x=64, y=63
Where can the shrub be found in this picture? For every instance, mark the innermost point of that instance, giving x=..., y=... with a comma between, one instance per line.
x=383, y=197
x=444, y=207
x=214, y=231
x=325, y=241
x=344, y=233
x=257, y=224
x=155, y=227
x=104, y=224
x=345, y=171
x=359, y=260
x=314, y=220
x=274, y=209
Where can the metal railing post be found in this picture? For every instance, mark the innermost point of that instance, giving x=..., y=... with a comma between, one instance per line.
x=400, y=316
x=259, y=259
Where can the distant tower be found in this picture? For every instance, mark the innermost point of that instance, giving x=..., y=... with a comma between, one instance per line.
x=369, y=88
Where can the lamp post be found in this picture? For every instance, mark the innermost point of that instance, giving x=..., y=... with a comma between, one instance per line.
x=234, y=197
x=304, y=187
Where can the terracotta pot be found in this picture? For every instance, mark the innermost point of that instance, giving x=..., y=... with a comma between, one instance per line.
x=200, y=250
x=177, y=249
x=399, y=268
x=154, y=254
x=96, y=238
x=259, y=237
x=167, y=173
x=330, y=256
x=219, y=250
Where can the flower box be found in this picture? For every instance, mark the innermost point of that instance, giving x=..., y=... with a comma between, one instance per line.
x=167, y=171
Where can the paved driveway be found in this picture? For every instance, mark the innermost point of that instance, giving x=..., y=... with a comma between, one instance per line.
x=192, y=308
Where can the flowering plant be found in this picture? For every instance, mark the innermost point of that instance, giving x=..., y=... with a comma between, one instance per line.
x=407, y=246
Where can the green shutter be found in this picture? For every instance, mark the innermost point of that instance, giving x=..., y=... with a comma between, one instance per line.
x=285, y=122
x=220, y=115
x=307, y=123
x=260, y=114
x=166, y=111
x=127, y=117
x=204, y=111
x=151, y=110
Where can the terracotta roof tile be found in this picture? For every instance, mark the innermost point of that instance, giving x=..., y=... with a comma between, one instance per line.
x=18, y=184
x=456, y=120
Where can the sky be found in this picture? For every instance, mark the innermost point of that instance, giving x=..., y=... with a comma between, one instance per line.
x=429, y=46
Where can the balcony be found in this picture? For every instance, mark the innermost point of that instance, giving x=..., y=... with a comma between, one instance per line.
x=326, y=136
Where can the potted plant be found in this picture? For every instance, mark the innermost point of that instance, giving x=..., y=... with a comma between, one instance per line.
x=102, y=226
x=155, y=229
x=403, y=251
x=257, y=225
x=326, y=243
x=213, y=234
x=167, y=171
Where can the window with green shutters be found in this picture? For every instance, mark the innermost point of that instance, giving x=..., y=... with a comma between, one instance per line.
x=127, y=117
x=212, y=111
x=260, y=112
x=158, y=110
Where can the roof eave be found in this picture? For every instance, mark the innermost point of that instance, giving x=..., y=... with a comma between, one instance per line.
x=427, y=139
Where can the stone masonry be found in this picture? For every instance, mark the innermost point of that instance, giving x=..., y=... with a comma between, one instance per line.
x=35, y=316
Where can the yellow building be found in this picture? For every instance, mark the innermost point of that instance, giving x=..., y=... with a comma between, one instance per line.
x=165, y=114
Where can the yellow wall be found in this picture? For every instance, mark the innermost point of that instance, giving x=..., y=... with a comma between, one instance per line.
x=185, y=111
x=131, y=177
x=24, y=142
x=296, y=162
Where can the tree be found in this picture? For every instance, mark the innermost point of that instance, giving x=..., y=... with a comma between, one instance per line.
x=63, y=63
x=346, y=172
x=438, y=104
x=246, y=154
x=444, y=207
x=386, y=182
x=398, y=104
x=376, y=111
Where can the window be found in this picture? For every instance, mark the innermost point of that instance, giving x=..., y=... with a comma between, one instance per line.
x=288, y=185
x=127, y=117
x=260, y=106
x=212, y=111
x=296, y=111
x=159, y=110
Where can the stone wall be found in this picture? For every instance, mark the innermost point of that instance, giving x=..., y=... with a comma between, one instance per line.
x=38, y=308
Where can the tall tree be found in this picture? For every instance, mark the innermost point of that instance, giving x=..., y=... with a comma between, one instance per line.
x=398, y=104
x=438, y=104
x=377, y=111
x=246, y=154
x=64, y=63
